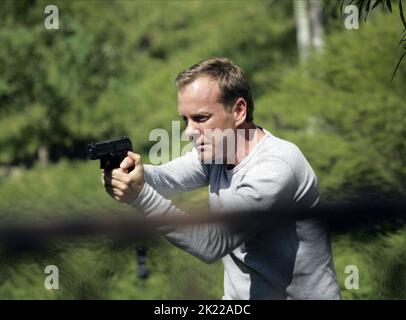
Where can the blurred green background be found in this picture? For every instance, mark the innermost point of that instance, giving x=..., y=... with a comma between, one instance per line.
x=109, y=71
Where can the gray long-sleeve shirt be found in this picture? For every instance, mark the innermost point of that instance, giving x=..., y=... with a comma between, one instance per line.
x=291, y=260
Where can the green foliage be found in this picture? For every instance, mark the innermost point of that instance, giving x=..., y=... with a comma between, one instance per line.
x=100, y=269
x=98, y=78
x=346, y=114
x=94, y=268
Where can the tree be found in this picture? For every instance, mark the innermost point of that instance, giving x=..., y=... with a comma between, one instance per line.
x=309, y=27
x=366, y=6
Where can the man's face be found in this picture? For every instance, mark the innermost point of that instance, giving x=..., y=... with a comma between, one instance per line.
x=202, y=112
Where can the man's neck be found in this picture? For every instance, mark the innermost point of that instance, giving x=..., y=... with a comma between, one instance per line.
x=248, y=136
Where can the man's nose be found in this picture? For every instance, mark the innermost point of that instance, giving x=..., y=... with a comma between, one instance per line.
x=192, y=132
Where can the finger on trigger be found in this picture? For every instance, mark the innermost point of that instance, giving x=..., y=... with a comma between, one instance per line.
x=120, y=175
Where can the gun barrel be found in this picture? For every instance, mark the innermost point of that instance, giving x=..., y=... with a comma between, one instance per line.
x=110, y=148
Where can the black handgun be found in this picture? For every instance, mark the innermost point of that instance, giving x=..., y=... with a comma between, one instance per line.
x=110, y=152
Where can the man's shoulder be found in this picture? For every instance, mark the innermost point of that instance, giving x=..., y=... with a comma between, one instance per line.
x=276, y=148
x=286, y=157
x=278, y=154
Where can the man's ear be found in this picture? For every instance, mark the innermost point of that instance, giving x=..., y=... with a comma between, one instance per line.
x=240, y=112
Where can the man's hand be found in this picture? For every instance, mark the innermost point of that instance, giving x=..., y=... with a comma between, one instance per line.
x=122, y=185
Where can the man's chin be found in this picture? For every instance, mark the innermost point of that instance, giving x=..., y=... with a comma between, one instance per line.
x=205, y=156
x=202, y=156
x=208, y=158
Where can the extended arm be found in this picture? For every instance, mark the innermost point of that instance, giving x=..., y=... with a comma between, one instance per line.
x=267, y=187
x=179, y=175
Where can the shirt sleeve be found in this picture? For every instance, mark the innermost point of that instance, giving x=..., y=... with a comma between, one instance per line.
x=267, y=187
x=182, y=174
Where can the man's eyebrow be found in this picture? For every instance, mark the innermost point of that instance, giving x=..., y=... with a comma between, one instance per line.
x=201, y=113
x=197, y=113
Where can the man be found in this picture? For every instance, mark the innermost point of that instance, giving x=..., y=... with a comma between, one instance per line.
x=290, y=260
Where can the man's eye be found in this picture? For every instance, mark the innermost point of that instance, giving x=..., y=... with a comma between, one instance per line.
x=201, y=118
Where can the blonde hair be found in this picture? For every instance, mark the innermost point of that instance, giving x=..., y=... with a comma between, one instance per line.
x=231, y=80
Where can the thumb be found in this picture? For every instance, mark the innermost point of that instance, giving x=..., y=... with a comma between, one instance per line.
x=129, y=161
x=126, y=163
